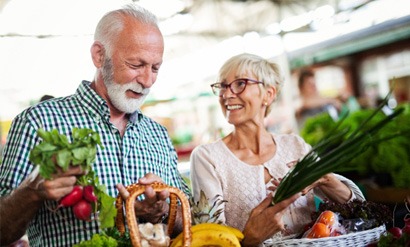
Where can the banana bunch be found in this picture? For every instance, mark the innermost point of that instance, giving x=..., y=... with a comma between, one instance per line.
x=212, y=234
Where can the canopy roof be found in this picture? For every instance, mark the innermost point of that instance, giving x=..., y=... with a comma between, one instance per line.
x=45, y=43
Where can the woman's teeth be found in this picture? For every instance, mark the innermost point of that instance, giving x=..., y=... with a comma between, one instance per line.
x=233, y=107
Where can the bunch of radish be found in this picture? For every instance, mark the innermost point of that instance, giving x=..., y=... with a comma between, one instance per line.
x=81, y=199
x=55, y=151
x=398, y=232
x=396, y=236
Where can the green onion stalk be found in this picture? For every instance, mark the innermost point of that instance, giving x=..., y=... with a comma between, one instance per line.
x=335, y=151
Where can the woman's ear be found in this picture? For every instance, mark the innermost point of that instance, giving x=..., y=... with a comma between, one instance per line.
x=270, y=94
x=97, y=54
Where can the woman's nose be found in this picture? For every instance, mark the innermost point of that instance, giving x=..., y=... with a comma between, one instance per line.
x=228, y=93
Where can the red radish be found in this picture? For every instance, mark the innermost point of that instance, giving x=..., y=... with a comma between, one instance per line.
x=89, y=193
x=396, y=232
x=406, y=228
x=82, y=210
x=72, y=198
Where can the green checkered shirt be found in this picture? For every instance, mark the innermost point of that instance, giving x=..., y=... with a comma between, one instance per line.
x=145, y=147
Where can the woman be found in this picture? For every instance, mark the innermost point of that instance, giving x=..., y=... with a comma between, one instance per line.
x=245, y=166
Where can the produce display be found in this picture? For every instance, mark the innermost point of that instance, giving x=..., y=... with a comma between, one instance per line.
x=337, y=148
x=354, y=223
x=389, y=156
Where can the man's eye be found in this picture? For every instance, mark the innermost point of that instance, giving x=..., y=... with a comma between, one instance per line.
x=155, y=69
x=133, y=66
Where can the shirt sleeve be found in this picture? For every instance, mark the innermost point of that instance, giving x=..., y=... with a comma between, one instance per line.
x=205, y=178
x=15, y=164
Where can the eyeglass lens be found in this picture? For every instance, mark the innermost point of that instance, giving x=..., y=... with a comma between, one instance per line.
x=236, y=87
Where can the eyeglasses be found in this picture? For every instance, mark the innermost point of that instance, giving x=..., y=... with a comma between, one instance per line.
x=237, y=86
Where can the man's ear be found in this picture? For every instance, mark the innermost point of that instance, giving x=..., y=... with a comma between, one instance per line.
x=97, y=54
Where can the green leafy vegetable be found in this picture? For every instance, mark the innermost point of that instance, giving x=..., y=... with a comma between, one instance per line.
x=107, y=238
x=335, y=150
x=56, y=151
x=367, y=210
x=98, y=240
x=389, y=156
x=389, y=240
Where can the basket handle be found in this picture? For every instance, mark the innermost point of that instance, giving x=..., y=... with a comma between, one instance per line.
x=137, y=189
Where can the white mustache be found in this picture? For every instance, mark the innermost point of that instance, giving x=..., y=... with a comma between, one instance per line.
x=136, y=87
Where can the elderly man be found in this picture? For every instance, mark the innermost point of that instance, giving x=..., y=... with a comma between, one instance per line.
x=127, y=53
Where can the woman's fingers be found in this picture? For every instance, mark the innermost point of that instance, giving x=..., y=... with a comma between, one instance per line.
x=280, y=206
x=262, y=206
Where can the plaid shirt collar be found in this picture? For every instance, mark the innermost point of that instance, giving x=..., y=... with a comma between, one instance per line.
x=97, y=106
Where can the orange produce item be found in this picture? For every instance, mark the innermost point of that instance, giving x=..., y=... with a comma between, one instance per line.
x=327, y=217
x=319, y=230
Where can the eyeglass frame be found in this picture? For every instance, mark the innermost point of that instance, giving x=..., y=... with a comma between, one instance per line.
x=247, y=80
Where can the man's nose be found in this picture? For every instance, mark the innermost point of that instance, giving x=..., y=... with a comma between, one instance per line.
x=147, y=78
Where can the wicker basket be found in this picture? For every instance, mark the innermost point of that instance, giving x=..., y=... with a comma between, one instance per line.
x=175, y=194
x=357, y=239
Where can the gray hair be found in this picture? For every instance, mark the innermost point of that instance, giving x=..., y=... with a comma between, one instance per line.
x=111, y=24
x=264, y=71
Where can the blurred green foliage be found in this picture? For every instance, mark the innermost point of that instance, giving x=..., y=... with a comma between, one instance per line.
x=390, y=156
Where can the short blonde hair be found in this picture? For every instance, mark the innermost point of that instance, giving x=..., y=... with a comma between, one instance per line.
x=264, y=70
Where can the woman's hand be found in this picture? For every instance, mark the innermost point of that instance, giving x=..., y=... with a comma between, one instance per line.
x=265, y=220
x=332, y=187
x=321, y=181
x=154, y=205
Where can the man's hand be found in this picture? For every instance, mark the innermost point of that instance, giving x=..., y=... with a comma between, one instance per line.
x=20, y=207
x=154, y=205
x=61, y=183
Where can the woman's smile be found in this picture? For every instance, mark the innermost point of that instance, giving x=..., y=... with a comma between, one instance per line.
x=233, y=107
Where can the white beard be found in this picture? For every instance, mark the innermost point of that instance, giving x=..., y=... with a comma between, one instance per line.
x=116, y=93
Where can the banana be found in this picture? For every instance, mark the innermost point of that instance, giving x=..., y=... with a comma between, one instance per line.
x=177, y=241
x=220, y=227
x=212, y=237
x=204, y=232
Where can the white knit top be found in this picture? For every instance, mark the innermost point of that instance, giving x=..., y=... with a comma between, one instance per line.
x=217, y=171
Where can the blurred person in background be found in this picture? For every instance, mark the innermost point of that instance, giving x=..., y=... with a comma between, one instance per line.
x=46, y=97
x=127, y=53
x=246, y=166
x=312, y=102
